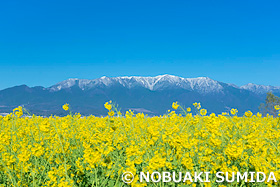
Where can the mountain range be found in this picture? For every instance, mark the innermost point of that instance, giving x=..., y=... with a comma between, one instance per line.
x=150, y=95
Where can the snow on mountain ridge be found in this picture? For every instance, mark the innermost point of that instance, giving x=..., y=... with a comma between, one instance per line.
x=200, y=84
x=260, y=89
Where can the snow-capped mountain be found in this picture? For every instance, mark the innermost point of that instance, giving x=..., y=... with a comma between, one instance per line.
x=200, y=84
x=260, y=89
x=153, y=95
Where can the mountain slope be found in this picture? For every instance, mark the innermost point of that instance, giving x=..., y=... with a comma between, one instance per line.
x=152, y=95
x=200, y=84
x=261, y=89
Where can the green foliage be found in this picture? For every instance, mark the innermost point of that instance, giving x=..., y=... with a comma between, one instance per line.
x=270, y=101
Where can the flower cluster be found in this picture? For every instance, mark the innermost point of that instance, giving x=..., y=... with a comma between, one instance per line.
x=95, y=151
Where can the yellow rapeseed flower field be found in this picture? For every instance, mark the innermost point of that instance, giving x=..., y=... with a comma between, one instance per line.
x=95, y=151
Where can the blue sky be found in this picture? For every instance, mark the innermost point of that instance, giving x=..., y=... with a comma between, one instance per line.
x=44, y=42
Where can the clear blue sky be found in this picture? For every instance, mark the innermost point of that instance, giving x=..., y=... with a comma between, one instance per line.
x=44, y=42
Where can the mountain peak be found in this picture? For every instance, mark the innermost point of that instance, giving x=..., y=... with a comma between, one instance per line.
x=201, y=85
x=260, y=89
x=143, y=94
x=160, y=82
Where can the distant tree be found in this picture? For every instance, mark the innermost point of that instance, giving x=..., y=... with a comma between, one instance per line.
x=270, y=101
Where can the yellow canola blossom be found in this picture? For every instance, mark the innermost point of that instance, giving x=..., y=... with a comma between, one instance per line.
x=108, y=106
x=233, y=111
x=65, y=107
x=95, y=151
x=175, y=105
x=203, y=112
x=111, y=113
